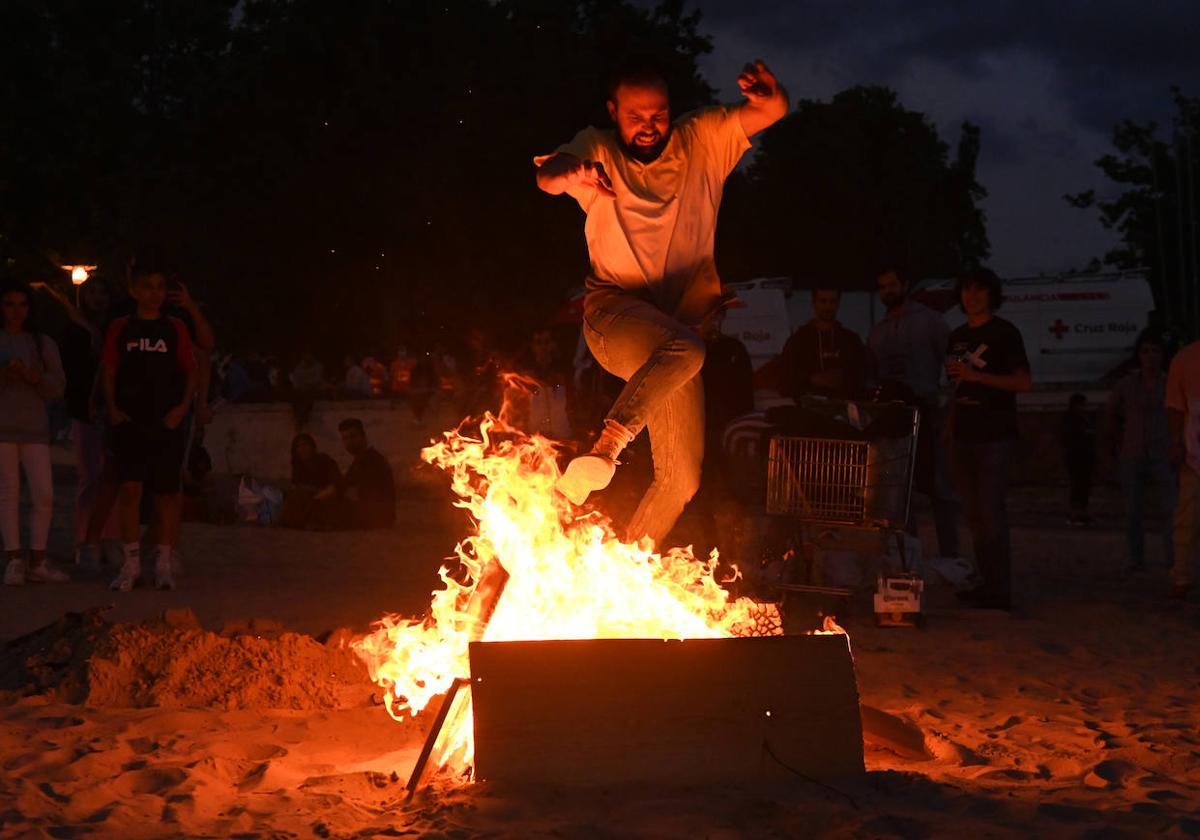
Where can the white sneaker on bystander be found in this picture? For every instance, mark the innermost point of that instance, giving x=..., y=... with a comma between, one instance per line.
x=15, y=572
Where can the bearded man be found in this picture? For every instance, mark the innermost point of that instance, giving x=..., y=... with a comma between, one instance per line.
x=651, y=190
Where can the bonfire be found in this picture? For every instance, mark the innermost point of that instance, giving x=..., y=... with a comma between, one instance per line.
x=568, y=577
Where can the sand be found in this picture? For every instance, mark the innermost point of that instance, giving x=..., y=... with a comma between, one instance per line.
x=1075, y=717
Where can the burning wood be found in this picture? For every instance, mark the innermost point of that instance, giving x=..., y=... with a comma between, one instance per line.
x=569, y=577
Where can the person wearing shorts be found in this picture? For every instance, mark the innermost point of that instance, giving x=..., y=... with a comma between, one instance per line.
x=149, y=375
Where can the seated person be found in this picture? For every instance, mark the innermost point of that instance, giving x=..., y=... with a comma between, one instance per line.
x=313, y=500
x=368, y=488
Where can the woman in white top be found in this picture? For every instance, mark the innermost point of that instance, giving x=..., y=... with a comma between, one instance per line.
x=31, y=375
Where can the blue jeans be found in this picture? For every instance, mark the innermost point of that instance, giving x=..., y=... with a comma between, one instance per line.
x=982, y=472
x=660, y=359
x=1136, y=473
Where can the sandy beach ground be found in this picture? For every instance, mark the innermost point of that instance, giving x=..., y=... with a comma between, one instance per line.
x=1077, y=716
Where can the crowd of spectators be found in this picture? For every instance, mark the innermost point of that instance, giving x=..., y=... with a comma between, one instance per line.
x=127, y=369
x=135, y=371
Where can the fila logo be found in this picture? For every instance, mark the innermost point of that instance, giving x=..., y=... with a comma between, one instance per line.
x=143, y=345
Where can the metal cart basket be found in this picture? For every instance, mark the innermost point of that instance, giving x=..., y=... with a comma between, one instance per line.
x=858, y=475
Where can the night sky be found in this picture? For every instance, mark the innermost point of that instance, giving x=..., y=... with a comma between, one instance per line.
x=1046, y=81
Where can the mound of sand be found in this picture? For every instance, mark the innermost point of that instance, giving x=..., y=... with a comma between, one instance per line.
x=173, y=662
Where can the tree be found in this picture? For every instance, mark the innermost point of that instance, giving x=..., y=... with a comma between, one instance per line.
x=339, y=175
x=1155, y=213
x=839, y=187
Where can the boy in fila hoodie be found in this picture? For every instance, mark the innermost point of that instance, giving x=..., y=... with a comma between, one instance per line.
x=149, y=376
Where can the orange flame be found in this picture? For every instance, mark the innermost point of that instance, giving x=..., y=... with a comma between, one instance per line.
x=570, y=577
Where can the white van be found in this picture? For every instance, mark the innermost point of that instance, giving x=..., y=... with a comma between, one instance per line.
x=1077, y=328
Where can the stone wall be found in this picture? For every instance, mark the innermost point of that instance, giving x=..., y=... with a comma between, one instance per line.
x=255, y=438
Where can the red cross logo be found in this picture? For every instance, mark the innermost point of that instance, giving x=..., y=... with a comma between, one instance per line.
x=1059, y=328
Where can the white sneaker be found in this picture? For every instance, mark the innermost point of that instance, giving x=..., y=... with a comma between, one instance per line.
x=43, y=572
x=584, y=476
x=131, y=570
x=14, y=572
x=162, y=574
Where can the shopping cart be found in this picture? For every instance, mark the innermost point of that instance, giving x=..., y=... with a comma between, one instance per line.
x=856, y=474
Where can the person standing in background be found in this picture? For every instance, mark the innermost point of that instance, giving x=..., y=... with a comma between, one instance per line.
x=31, y=375
x=148, y=370
x=1137, y=411
x=1079, y=453
x=823, y=357
x=81, y=343
x=989, y=367
x=1183, y=417
x=906, y=353
x=728, y=378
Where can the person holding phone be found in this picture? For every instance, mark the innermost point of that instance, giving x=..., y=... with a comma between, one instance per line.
x=31, y=375
x=988, y=366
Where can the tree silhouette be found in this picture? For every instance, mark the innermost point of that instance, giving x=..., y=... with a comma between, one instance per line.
x=1155, y=213
x=325, y=173
x=838, y=187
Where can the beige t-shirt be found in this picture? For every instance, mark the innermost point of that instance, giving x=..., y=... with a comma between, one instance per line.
x=1183, y=394
x=657, y=235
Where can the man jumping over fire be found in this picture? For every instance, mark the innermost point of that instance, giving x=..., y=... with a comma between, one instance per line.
x=651, y=190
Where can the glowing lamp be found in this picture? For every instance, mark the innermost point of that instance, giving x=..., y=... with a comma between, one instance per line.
x=79, y=273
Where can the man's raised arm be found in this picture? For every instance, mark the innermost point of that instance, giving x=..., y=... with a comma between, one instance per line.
x=766, y=100
x=560, y=171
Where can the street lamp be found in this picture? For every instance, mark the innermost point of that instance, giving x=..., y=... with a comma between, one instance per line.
x=79, y=273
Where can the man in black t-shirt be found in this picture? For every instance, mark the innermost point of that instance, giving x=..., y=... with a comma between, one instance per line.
x=988, y=366
x=368, y=488
x=149, y=376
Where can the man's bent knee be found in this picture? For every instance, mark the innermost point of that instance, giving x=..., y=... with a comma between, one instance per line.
x=690, y=349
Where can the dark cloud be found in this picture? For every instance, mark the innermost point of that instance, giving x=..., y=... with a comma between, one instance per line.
x=1046, y=81
x=1114, y=58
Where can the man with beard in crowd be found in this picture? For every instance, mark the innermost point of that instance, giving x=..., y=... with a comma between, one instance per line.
x=651, y=190
x=906, y=355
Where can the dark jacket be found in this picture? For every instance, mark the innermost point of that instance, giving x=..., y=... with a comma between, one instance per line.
x=370, y=491
x=810, y=351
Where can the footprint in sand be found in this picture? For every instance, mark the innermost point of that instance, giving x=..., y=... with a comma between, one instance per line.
x=59, y=722
x=1109, y=774
x=263, y=752
x=142, y=746
x=254, y=778
x=245, y=752
x=154, y=780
